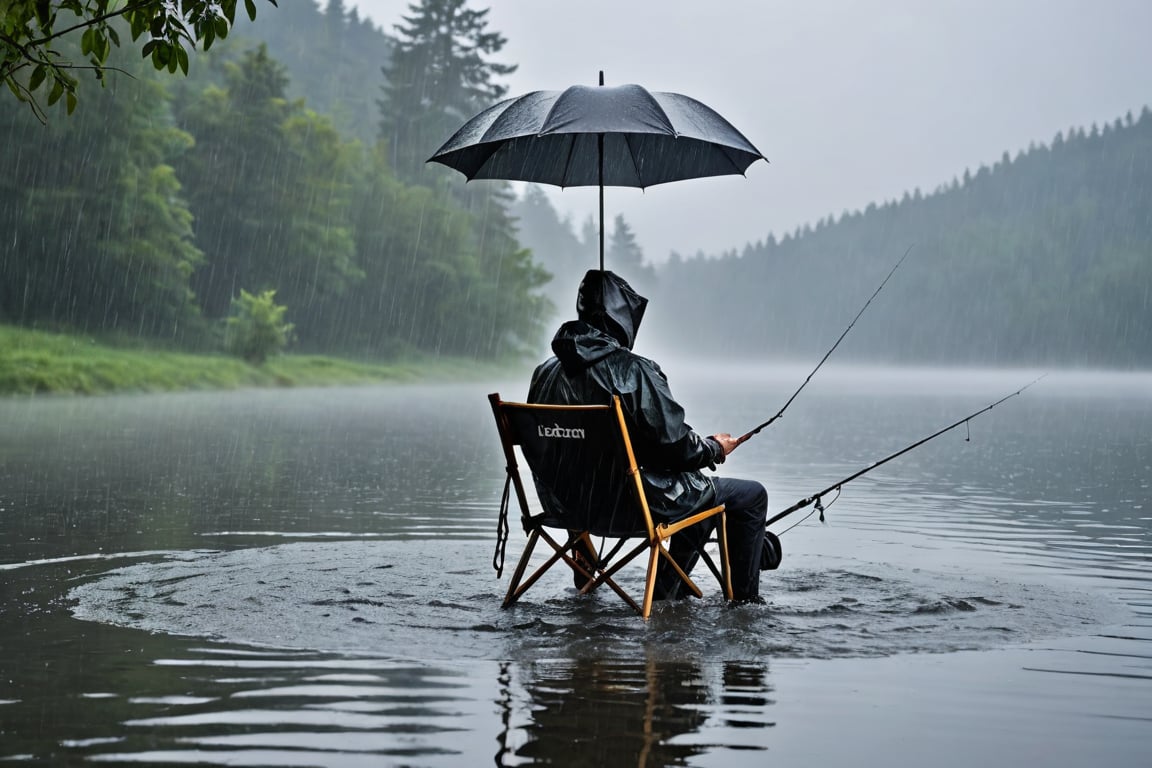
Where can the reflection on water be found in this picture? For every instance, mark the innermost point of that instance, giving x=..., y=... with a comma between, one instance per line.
x=260, y=708
x=273, y=708
x=593, y=712
x=304, y=578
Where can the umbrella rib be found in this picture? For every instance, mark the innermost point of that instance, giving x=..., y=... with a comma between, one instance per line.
x=487, y=151
x=632, y=157
x=727, y=152
x=568, y=161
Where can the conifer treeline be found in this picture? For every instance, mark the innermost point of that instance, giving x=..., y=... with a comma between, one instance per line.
x=1039, y=259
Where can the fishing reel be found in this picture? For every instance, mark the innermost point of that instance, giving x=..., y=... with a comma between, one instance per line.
x=771, y=553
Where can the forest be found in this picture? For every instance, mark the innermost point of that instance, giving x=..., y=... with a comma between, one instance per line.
x=295, y=164
x=146, y=212
x=1042, y=258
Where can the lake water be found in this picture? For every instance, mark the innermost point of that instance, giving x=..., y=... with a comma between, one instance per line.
x=304, y=578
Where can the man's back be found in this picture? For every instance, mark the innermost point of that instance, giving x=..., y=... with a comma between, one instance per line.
x=593, y=361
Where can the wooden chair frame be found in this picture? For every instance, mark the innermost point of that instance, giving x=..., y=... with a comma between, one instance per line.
x=653, y=537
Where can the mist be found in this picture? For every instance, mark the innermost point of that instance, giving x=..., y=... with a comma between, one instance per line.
x=850, y=103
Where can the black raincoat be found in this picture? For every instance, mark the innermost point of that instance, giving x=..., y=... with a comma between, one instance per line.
x=594, y=360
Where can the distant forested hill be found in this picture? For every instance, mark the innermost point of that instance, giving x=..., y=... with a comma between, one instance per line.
x=1045, y=258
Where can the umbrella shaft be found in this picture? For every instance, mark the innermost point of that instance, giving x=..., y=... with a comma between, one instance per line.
x=600, y=152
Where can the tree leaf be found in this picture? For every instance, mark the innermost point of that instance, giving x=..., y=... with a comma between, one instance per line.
x=37, y=77
x=12, y=86
x=44, y=14
x=139, y=25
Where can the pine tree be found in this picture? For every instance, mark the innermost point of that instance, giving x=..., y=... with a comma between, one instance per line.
x=438, y=77
x=624, y=256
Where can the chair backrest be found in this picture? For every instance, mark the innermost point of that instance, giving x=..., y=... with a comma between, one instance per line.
x=582, y=463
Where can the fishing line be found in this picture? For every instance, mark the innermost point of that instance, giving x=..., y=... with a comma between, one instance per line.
x=817, y=497
x=827, y=354
x=818, y=508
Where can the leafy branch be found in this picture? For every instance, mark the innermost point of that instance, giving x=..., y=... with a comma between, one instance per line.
x=31, y=67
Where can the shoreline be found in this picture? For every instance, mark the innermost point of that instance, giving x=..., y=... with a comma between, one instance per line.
x=43, y=364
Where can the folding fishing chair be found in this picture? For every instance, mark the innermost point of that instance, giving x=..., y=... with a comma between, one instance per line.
x=588, y=484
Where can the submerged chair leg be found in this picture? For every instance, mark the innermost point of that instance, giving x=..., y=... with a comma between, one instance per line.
x=723, y=573
x=684, y=577
x=584, y=553
x=513, y=593
x=605, y=576
x=725, y=564
x=586, y=574
x=650, y=582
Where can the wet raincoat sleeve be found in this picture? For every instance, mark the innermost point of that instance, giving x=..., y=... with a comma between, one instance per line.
x=660, y=434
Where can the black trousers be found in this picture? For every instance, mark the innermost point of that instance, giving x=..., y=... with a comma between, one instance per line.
x=746, y=510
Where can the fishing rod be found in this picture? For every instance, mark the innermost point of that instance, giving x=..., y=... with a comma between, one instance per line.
x=756, y=431
x=816, y=498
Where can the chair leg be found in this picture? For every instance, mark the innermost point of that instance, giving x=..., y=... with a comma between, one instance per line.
x=584, y=553
x=560, y=552
x=605, y=576
x=708, y=561
x=723, y=574
x=680, y=571
x=513, y=595
x=725, y=564
x=596, y=577
x=650, y=583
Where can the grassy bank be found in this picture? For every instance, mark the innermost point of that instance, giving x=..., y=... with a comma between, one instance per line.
x=35, y=362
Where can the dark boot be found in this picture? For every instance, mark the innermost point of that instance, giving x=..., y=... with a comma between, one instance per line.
x=583, y=554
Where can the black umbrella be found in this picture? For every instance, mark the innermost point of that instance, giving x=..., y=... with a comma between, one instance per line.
x=620, y=136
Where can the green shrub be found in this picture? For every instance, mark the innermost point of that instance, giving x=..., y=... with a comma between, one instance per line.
x=256, y=327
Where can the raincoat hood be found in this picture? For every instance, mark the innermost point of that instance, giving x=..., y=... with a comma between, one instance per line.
x=607, y=303
x=609, y=313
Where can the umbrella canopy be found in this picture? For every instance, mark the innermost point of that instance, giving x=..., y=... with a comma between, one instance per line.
x=620, y=136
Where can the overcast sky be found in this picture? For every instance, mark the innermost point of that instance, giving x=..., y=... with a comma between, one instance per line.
x=851, y=102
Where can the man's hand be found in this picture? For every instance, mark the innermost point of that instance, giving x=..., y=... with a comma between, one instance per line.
x=727, y=442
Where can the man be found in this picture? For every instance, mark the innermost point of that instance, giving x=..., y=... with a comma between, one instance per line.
x=593, y=361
